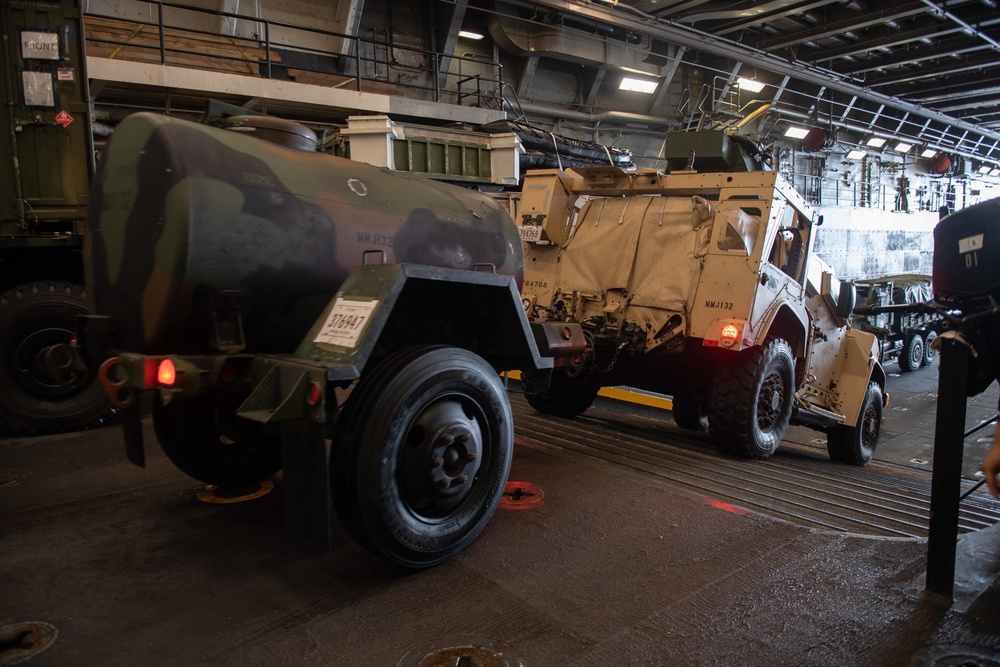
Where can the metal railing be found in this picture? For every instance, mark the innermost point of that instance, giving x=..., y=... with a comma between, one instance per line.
x=275, y=47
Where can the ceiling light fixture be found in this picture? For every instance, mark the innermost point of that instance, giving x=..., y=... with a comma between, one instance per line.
x=928, y=152
x=995, y=172
x=796, y=132
x=985, y=169
x=902, y=147
x=751, y=85
x=637, y=85
x=856, y=155
x=876, y=142
x=468, y=34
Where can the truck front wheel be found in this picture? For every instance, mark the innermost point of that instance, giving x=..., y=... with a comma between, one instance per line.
x=205, y=439
x=421, y=454
x=911, y=357
x=750, y=406
x=566, y=397
x=856, y=444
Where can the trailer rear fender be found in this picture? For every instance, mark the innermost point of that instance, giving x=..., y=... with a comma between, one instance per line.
x=381, y=308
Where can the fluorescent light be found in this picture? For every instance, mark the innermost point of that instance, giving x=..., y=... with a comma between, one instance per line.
x=750, y=84
x=995, y=172
x=985, y=169
x=902, y=147
x=796, y=132
x=928, y=152
x=637, y=85
x=468, y=34
x=876, y=142
x=856, y=155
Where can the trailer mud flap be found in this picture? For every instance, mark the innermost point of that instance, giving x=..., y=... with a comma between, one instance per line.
x=135, y=450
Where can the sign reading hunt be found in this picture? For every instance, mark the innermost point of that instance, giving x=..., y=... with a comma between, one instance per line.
x=63, y=118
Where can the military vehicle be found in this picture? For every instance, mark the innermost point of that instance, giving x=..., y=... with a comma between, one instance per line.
x=264, y=297
x=903, y=337
x=702, y=286
x=47, y=158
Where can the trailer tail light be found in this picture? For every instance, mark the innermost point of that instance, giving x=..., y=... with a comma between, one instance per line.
x=730, y=334
x=166, y=374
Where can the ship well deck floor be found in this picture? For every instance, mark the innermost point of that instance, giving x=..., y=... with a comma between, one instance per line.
x=648, y=548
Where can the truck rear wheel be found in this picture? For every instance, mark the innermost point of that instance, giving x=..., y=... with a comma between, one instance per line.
x=421, y=455
x=911, y=357
x=205, y=439
x=855, y=445
x=566, y=397
x=751, y=404
x=929, y=354
x=32, y=318
x=688, y=413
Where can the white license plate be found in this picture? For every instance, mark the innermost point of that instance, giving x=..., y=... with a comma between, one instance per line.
x=531, y=233
x=346, y=322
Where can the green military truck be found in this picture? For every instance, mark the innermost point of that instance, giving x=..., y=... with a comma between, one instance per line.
x=47, y=158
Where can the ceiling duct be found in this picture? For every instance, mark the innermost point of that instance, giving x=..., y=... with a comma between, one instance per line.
x=572, y=39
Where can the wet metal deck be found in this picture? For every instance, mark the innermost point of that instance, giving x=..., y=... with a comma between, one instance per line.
x=648, y=548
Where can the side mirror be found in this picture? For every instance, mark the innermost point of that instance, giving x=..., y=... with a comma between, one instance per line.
x=846, y=299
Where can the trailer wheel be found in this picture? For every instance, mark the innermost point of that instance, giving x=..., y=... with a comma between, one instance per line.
x=688, y=413
x=911, y=357
x=567, y=397
x=205, y=439
x=929, y=354
x=421, y=455
x=751, y=404
x=32, y=318
x=855, y=445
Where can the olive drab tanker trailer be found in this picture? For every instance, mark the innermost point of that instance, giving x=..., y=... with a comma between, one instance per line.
x=702, y=286
x=241, y=280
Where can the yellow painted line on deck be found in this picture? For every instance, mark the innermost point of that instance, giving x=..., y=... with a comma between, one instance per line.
x=622, y=394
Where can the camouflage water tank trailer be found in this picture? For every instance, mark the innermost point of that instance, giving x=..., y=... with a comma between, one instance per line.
x=242, y=284
x=704, y=287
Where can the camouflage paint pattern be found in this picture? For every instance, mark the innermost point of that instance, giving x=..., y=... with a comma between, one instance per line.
x=182, y=210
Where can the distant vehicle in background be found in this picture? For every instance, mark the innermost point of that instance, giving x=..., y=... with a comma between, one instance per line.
x=903, y=337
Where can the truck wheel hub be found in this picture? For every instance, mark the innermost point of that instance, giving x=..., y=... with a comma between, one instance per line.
x=442, y=458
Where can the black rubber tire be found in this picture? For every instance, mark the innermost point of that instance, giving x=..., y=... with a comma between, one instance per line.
x=567, y=397
x=929, y=354
x=911, y=357
x=33, y=317
x=750, y=406
x=206, y=440
x=403, y=433
x=688, y=413
x=855, y=445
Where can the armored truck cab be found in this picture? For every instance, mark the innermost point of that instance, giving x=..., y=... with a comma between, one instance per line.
x=702, y=286
x=264, y=298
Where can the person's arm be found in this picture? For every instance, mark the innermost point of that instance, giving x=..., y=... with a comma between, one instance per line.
x=991, y=465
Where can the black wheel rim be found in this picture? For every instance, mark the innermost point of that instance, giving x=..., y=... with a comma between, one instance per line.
x=770, y=402
x=869, y=430
x=916, y=352
x=441, y=454
x=29, y=368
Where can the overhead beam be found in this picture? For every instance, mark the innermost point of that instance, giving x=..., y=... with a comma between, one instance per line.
x=849, y=22
x=725, y=48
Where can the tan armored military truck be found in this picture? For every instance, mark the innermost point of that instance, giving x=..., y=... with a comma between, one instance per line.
x=704, y=287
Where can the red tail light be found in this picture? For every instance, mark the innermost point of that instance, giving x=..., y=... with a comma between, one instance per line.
x=166, y=374
x=730, y=334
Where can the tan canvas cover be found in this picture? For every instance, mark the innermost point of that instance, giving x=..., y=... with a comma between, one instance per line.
x=651, y=246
